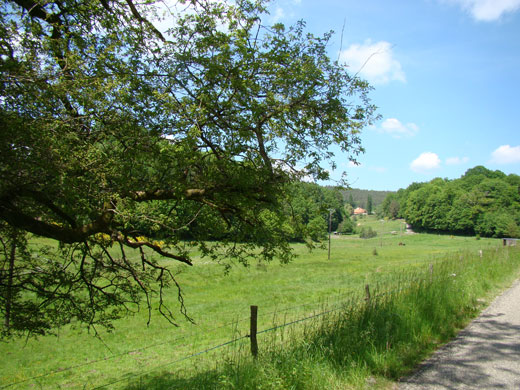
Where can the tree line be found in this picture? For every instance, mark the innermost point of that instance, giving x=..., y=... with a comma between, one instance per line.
x=482, y=202
x=361, y=198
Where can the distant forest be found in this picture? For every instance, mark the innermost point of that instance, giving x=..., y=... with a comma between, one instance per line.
x=482, y=202
x=360, y=197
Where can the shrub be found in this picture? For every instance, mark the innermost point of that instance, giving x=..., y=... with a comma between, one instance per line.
x=367, y=233
x=346, y=226
x=317, y=228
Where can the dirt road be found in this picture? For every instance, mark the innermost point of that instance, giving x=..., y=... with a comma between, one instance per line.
x=486, y=355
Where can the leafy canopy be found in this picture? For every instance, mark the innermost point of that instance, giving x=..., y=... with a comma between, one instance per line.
x=132, y=146
x=481, y=202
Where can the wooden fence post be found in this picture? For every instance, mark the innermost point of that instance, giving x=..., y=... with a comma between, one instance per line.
x=253, y=330
x=367, y=294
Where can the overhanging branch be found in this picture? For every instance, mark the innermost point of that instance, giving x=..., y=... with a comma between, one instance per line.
x=156, y=248
x=143, y=196
x=67, y=235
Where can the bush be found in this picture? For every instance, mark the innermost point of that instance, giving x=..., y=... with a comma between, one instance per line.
x=367, y=233
x=346, y=226
x=317, y=228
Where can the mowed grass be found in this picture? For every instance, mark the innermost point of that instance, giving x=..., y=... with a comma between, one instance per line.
x=219, y=304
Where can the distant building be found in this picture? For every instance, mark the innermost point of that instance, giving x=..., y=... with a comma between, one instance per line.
x=360, y=211
x=510, y=241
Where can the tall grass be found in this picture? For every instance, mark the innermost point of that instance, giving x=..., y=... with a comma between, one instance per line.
x=134, y=353
x=365, y=344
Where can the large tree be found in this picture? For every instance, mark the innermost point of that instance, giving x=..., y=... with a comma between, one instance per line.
x=120, y=125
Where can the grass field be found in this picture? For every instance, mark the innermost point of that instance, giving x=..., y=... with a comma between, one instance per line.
x=219, y=304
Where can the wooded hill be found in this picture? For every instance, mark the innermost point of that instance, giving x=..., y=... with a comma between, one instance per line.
x=360, y=197
x=482, y=202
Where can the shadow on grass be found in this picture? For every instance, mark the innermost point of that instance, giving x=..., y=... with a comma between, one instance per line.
x=205, y=380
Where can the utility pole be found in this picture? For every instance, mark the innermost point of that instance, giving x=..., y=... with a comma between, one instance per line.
x=330, y=227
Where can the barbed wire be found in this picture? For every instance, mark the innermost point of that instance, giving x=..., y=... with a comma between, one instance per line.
x=173, y=362
x=276, y=327
x=80, y=365
x=350, y=293
x=114, y=356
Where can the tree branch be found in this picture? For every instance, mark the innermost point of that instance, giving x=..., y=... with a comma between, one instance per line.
x=138, y=16
x=19, y=219
x=143, y=196
x=156, y=248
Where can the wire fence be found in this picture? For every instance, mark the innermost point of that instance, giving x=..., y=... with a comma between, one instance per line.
x=170, y=342
x=338, y=305
x=330, y=306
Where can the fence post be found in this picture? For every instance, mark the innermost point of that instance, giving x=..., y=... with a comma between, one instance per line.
x=367, y=294
x=253, y=330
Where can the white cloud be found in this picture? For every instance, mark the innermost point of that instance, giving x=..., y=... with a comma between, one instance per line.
x=425, y=162
x=396, y=129
x=506, y=154
x=278, y=15
x=487, y=10
x=456, y=160
x=373, y=61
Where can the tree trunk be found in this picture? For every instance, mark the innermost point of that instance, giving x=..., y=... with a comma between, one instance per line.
x=9, y=293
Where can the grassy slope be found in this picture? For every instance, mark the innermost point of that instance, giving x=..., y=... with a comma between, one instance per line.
x=220, y=304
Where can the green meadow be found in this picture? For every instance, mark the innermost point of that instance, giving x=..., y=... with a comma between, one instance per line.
x=305, y=355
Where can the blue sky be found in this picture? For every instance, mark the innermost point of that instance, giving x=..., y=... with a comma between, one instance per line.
x=446, y=75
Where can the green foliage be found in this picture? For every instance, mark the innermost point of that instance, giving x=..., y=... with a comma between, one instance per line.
x=347, y=226
x=497, y=224
x=391, y=206
x=360, y=197
x=123, y=137
x=348, y=209
x=480, y=202
x=309, y=206
x=317, y=229
x=367, y=232
x=351, y=201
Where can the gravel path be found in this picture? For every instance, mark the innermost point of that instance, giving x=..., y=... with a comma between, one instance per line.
x=485, y=355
